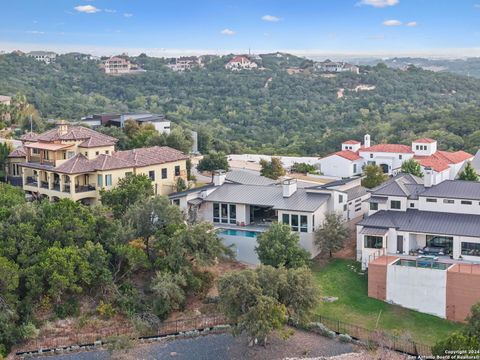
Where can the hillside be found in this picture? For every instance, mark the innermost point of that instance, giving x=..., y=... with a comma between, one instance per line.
x=295, y=114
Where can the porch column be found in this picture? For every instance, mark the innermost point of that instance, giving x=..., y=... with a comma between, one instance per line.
x=24, y=176
x=39, y=179
x=50, y=180
x=72, y=184
x=406, y=244
x=62, y=183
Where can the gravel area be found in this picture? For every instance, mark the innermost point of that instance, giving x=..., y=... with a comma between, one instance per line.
x=221, y=347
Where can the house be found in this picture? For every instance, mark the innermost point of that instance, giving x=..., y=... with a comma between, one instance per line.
x=161, y=124
x=242, y=204
x=117, y=65
x=350, y=160
x=5, y=100
x=476, y=162
x=75, y=162
x=329, y=66
x=48, y=57
x=240, y=62
x=406, y=215
x=185, y=63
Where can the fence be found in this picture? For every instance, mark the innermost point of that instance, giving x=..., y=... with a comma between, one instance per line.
x=376, y=337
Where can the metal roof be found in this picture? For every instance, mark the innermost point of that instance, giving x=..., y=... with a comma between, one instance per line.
x=269, y=196
x=190, y=191
x=373, y=231
x=429, y=222
x=248, y=178
x=404, y=185
x=356, y=192
x=457, y=189
x=378, y=199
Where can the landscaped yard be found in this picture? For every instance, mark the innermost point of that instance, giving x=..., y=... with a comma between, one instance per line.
x=343, y=279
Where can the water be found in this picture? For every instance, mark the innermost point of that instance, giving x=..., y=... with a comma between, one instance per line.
x=243, y=233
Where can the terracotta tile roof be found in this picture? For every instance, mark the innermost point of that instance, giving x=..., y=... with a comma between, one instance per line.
x=91, y=137
x=76, y=165
x=436, y=164
x=30, y=136
x=47, y=146
x=151, y=156
x=107, y=162
x=454, y=157
x=425, y=140
x=18, y=153
x=240, y=58
x=347, y=154
x=389, y=148
x=351, y=142
x=441, y=160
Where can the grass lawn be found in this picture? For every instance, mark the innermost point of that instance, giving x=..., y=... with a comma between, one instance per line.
x=353, y=306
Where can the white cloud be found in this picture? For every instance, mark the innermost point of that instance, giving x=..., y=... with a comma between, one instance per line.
x=112, y=11
x=35, y=32
x=227, y=32
x=412, y=24
x=392, y=23
x=128, y=15
x=88, y=9
x=270, y=18
x=379, y=3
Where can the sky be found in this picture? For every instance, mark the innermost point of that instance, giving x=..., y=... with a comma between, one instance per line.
x=449, y=28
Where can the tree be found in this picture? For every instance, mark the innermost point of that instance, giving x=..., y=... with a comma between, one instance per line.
x=332, y=235
x=213, y=161
x=473, y=322
x=411, y=166
x=279, y=246
x=129, y=190
x=180, y=185
x=169, y=293
x=272, y=169
x=302, y=168
x=468, y=173
x=374, y=176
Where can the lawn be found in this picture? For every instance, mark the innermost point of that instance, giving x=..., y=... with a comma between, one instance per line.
x=343, y=279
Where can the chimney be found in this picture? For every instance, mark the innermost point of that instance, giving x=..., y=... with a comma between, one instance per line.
x=366, y=140
x=62, y=127
x=219, y=177
x=428, y=177
x=289, y=187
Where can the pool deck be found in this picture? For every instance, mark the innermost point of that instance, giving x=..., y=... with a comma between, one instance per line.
x=254, y=228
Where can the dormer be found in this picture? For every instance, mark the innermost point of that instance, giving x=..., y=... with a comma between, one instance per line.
x=424, y=147
x=351, y=145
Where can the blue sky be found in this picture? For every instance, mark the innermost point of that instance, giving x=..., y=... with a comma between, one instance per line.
x=308, y=27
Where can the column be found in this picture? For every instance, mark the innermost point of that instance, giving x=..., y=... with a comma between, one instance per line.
x=62, y=183
x=72, y=184
x=24, y=176
x=50, y=180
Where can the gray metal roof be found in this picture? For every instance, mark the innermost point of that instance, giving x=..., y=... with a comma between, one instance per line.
x=356, y=192
x=271, y=196
x=335, y=183
x=373, y=231
x=190, y=191
x=404, y=185
x=378, y=199
x=457, y=189
x=248, y=178
x=429, y=222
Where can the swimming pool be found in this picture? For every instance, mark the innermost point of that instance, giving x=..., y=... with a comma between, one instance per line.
x=235, y=232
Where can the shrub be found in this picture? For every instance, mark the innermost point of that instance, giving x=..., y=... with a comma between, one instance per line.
x=203, y=283
x=321, y=329
x=345, y=338
x=105, y=310
x=29, y=331
x=68, y=308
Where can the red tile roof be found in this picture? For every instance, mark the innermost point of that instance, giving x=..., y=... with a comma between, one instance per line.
x=389, y=148
x=30, y=136
x=347, y=154
x=441, y=160
x=91, y=138
x=454, y=157
x=351, y=142
x=18, y=153
x=151, y=156
x=425, y=140
x=436, y=164
x=240, y=58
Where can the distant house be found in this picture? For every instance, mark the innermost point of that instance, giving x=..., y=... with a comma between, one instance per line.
x=47, y=57
x=117, y=65
x=161, y=124
x=240, y=62
x=185, y=63
x=329, y=66
x=5, y=100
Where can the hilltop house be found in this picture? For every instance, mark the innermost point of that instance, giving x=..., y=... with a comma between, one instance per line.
x=117, y=65
x=409, y=217
x=185, y=63
x=242, y=205
x=75, y=162
x=47, y=57
x=240, y=62
x=329, y=66
x=350, y=160
x=159, y=121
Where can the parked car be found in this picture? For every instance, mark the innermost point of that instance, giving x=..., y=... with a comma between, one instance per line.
x=433, y=250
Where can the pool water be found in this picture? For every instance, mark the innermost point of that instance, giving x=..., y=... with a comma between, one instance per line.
x=234, y=232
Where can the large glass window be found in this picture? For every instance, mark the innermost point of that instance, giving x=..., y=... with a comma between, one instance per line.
x=373, y=242
x=373, y=206
x=177, y=170
x=294, y=223
x=395, y=204
x=303, y=223
x=151, y=175
x=224, y=213
x=216, y=212
x=470, y=249
x=164, y=173
x=99, y=180
x=286, y=219
x=108, y=180
x=233, y=213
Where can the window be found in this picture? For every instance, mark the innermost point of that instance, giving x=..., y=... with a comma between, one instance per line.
x=345, y=207
x=373, y=242
x=373, y=206
x=224, y=213
x=395, y=204
x=233, y=213
x=371, y=156
x=216, y=212
x=466, y=202
x=303, y=223
x=164, y=173
x=99, y=180
x=412, y=205
x=97, y=153
x=470, y=249
x=354, y=168
x=431, y=200
x=313, y=222
x=340, y=198
x=107, y=152
x=294, y=223
x=176, y=202
x=151, y=175
x=128, y=173
x=108, y=180
x=417, y=147
x=86, y=153
x=400, y=157
x=448, y=201
x=177, y=170
x=286, y=219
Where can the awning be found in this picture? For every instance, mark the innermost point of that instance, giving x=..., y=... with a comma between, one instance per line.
x=378, y=199
x=196, y=201
x=47, y=146
x=373, y=231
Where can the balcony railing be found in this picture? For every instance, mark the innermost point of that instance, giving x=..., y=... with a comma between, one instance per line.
x=44, y=184
x=66, y=188
x=84, y=188
x=31, y=181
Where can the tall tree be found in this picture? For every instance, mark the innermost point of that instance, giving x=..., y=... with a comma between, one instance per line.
x=213, y=161
x=468, y=173
x=272, y=169
x=279, y=246
x=332, y=235
x=411, y=166
x=374, y=176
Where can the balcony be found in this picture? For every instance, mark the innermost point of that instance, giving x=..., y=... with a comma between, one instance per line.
x=31, y=181
x=44, y=184
x=84, y=188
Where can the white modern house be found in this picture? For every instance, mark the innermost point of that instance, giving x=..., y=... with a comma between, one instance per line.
x=445, y=165
x=242, y=205
x=48, y=57
x=240, y=62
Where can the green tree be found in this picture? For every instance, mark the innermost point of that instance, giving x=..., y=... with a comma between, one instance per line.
x=468, y=173
x=374, y=176
x=129, y=190
x=213, y=161
x=473, y=322
x=332, y=235
x=279, y=246
x=180, y=185
x=411, y=166
x=302, y=168
x=169, y=293
x=10, y=196
x=272, y=169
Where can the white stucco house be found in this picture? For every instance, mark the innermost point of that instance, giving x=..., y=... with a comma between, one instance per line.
x=240, y=62
x=445, y=165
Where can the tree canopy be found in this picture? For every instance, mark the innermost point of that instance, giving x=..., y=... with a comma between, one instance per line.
x=333, y=233
x=411, y=166
x=374, y=176
x=468, y=173
x=272, y=169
